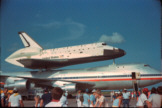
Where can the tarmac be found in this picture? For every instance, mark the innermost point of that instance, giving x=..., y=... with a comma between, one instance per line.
x=72, y=103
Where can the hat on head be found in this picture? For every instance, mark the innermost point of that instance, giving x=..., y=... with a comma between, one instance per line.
x=125, y=89
x=93, y=90
x=145, y=90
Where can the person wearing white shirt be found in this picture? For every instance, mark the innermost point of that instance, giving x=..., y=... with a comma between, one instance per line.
x=101, y=100
x=56, y=95
x=155, y=100
x=78, y=96
x=63, y=100
x=112, y=93
x=15, y=99
x=142, y=98
x=126, y=98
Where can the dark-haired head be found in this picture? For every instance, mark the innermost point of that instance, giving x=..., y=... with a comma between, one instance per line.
x=57, y=93
x=159, y=90
x=153, y=90
x=46, y=90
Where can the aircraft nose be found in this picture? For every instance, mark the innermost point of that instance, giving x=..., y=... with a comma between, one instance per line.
x=122, y=52
x=114, y=53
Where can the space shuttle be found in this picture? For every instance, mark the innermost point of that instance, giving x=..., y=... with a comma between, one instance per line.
x=33, y=56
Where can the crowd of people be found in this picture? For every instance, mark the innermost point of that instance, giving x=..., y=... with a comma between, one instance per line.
x=11, y=100
x=145, y=98
x=58, y=98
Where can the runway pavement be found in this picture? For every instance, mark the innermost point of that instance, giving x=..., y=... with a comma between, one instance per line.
x=72, y=103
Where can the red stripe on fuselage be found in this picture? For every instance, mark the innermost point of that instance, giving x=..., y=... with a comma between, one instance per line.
x=2, y=83
x=124, y=79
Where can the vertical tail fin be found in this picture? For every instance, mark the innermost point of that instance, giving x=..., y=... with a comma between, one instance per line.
x=28, y=41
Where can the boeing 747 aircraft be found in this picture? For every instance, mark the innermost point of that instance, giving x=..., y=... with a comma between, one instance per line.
x=33, y=56
x=106, y=77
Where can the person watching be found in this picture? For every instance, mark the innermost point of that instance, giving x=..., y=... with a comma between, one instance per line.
x=100, y=102
x=3, y=97
x=92, y=98
x=15, y=100
x=46, y=98
x=126, y=98
x=142, y=98
x=56, y=95
x=155, y=101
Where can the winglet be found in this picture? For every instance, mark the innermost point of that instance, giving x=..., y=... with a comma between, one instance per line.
x=28, y=41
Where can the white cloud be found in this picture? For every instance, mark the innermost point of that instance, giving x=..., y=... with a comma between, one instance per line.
x=115, y=38
x=74, y=30
x=54, y=24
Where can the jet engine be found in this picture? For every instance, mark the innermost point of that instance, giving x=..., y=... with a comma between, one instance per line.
x=67, y=86
x=21, y=85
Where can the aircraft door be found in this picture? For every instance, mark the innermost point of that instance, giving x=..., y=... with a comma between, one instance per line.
x=135, y=77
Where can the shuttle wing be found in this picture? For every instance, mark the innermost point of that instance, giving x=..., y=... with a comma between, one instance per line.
x=46, y=64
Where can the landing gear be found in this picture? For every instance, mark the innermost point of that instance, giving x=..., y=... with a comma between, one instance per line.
x=113, y=61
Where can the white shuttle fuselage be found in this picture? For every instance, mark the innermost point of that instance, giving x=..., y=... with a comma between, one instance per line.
x=33, y=56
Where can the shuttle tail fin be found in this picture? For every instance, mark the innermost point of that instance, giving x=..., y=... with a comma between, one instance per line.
x=28, y=41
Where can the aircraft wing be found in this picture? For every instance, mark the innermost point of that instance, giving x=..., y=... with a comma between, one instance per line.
x=48, y=80
x=43, y=64
x=3, y=78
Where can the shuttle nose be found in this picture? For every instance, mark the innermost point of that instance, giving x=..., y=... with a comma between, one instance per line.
x=115, y=53
x=122, y=52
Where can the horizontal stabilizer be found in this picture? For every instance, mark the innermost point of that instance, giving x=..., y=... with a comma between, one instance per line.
x=28, y=41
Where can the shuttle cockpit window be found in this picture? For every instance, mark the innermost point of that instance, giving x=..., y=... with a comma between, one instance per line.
x=104, y=44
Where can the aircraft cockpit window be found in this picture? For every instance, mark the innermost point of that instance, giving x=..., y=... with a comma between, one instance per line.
x=104, y=43
x=146, y=65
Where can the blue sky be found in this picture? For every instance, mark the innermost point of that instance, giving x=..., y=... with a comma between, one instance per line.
x=59, y=23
